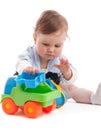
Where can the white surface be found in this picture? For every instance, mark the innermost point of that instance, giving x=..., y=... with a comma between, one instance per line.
x=17, y=19
x=71, y=116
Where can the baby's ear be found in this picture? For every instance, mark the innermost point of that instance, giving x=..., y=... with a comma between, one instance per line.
x=34, y=37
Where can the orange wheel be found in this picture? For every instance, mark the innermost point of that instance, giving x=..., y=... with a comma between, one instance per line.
x=9, y=106
x=54, y=105
x=32, y=109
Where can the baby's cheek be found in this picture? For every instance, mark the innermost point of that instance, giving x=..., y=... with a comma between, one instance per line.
x=57, y=54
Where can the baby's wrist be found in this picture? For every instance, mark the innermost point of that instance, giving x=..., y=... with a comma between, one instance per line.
x=68, y=75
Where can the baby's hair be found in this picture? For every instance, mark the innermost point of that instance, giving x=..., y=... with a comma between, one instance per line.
x=50, y=21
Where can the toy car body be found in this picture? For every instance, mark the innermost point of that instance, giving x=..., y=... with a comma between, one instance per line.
x=32, y=93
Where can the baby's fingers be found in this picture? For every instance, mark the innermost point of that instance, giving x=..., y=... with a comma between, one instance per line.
x=31, y=69
x=64, y=61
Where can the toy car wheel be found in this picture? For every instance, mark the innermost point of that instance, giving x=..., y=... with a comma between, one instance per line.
x=54, y=105
x=49, y=108
x=9, y=106
x=32, y=109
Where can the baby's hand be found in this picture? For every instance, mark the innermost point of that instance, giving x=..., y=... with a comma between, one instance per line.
x=31, y=69
x=64, y=67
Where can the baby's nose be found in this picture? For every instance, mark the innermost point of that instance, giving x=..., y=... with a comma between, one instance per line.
x=51, y=49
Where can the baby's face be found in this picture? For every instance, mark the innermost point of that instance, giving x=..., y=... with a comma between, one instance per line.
x=50, y=46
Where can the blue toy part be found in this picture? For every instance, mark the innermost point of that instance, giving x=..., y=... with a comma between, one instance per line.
x=59, y=101
x=48, y=81
x=10, y=83
x=30, y=80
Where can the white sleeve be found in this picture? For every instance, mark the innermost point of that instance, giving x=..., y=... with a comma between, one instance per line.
x=21, y=65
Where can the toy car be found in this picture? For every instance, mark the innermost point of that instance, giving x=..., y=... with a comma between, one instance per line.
x=32, y=93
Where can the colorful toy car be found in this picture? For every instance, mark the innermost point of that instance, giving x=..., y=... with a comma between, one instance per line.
x=32, y=93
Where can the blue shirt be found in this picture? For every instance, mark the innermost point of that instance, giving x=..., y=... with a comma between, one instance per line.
x=30, y=55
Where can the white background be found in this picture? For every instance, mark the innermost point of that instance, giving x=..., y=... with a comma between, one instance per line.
x=17, y=20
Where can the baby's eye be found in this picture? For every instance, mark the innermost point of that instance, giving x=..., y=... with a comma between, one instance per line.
x=57, y=46
x=45, y=44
